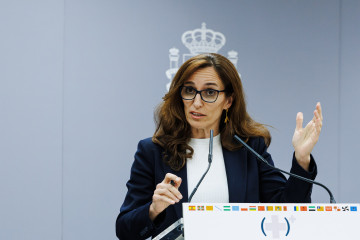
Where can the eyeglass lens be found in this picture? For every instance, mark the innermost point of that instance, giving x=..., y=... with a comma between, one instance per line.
x=208, y=95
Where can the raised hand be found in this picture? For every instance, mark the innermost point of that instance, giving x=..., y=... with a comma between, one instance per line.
x=165, y=194
x=304, y=139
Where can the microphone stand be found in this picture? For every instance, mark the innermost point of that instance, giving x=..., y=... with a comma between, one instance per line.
x=209, y=160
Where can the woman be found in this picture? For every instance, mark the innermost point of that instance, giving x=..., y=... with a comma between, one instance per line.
x=206, y=93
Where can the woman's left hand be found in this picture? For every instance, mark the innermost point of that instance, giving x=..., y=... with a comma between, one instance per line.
x=304, y=139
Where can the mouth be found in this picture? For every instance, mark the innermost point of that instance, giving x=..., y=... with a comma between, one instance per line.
x=197, y=115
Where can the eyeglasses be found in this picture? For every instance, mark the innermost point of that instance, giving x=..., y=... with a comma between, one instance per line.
x=207, y=95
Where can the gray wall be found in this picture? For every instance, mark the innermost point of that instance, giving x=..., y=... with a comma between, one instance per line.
x=79, y=81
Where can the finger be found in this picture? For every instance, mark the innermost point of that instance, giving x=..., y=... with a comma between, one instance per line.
x=299, y=120
x=318, y=120
x=170, y=189
x=309, y=128
x=167, y=193
x=164, y=199
x=176, y=192
x=318, y=125
x=315, y=134
x=177, y=182
x=317, y=116
x=169, y=177
x=319, y=110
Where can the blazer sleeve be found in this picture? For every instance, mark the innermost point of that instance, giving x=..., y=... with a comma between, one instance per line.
x=275, y=188
x=134, y=222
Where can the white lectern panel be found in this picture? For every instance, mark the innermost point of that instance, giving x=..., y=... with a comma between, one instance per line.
x=271, y=221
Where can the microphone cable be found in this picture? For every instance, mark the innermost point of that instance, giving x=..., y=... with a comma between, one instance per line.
x=262, y=160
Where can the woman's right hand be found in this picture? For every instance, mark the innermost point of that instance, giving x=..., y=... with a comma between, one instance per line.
x=165, y=194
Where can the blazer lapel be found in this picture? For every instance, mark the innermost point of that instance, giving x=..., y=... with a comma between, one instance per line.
x=236, y=172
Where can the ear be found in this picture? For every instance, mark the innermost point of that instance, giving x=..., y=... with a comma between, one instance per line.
x=228, y=102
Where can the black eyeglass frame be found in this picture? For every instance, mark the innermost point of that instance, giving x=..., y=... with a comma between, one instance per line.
x=218, y=91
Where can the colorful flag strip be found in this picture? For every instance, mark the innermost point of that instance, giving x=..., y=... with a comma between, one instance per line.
x=274, y=208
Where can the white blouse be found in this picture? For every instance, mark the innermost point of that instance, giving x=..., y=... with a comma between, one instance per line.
x=214, y=187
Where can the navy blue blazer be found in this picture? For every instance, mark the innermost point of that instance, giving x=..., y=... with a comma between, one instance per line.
x=248, y=182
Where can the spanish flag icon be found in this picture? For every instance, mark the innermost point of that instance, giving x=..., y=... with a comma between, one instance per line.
x=192, y=208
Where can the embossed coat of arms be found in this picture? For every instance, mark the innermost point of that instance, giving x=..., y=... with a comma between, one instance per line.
x=200, y=40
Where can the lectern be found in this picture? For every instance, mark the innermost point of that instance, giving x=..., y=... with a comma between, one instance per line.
x=266, y=221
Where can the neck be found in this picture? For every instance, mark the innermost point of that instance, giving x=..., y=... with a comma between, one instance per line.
x=203, y=133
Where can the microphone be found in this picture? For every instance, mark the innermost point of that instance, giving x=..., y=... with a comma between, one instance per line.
x=262, y=160
x=209, y=160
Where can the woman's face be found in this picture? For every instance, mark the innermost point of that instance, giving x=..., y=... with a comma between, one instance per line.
x=203, y=116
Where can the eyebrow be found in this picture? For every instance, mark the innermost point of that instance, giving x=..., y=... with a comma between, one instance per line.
x=206, y=84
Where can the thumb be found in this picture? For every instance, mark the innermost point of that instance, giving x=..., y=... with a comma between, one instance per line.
x=299, y=120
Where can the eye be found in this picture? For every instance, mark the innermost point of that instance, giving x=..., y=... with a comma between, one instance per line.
x=210, y=92
x=189, y=90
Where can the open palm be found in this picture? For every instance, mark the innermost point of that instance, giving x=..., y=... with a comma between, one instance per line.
x=305, y=139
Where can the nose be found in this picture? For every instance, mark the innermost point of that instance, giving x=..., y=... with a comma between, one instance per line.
x=198, y=102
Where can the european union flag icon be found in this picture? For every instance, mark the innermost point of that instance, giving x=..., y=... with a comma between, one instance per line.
x=235, y=208
x=353, y=208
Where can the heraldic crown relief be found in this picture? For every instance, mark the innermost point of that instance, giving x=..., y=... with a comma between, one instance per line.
x=200, y=40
